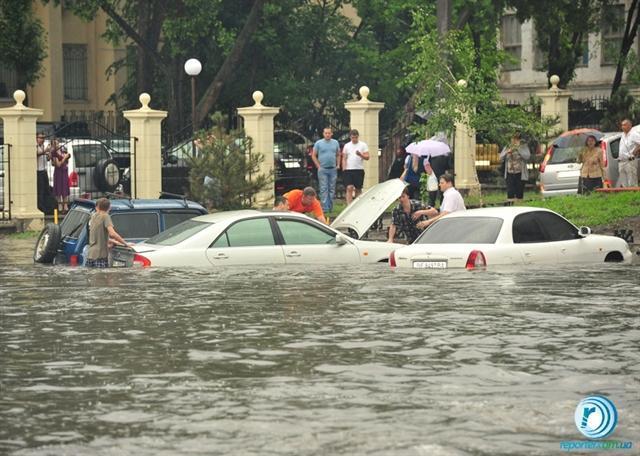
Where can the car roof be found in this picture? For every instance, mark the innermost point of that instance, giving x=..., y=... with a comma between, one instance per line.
x=502, y=211
x=142, y=204
x=218, y=217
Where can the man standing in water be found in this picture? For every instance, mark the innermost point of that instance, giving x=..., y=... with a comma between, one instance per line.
x=101, y=233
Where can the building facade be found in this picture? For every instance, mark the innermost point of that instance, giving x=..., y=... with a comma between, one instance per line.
x=75, y=76
x=594, y=73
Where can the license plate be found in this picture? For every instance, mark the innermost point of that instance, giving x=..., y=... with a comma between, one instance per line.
x=118, y=264
x=430, y=265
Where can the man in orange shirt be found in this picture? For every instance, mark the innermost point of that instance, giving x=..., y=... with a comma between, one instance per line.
x=305, y=201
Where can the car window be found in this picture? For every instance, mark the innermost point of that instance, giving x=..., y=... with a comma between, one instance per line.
x=73, y=223
x=557, y=228
x=136, y=225
x=526, y=229
x=564, y=155
x=178, y=233
x=300, y=233
x=614, y=147
x=88, y=155
x=174, y=217
x=462, y=230
x=249, y=233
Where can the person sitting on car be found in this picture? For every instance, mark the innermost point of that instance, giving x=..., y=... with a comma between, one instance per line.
x=101, y=236
x=451, y=202
x=281, y=204
x=305, y=201
x=404, y=219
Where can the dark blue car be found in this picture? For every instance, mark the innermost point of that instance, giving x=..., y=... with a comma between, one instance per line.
x=134, y=220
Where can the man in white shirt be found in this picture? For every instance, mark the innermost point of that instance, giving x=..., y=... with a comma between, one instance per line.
x=627, y=164
x=451, y=202
x=353, y=155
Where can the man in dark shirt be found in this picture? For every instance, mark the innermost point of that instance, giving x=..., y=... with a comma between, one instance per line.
x=397, y=167
x=402, y=218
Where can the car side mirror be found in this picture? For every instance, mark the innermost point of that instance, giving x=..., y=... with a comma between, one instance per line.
x=584, y=231
x=340, y=239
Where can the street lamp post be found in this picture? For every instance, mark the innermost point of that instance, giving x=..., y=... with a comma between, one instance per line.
x=193, y=67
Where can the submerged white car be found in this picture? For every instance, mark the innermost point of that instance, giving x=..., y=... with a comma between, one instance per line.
x=507, y=236
x=252, y=237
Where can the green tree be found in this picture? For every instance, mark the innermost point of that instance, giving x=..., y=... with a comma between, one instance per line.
x=22, y=40
x=627, y=57
x=440, y=62
x=225, y=173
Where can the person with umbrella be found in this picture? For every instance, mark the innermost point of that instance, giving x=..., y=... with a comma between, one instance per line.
x=515, y=156
x=428, y=156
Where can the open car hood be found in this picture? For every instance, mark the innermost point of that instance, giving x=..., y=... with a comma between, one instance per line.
x=368, y=207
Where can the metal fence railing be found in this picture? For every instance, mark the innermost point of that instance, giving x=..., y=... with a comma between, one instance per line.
x=5, y=182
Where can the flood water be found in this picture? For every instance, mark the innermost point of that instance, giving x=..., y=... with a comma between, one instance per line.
x=300, y=361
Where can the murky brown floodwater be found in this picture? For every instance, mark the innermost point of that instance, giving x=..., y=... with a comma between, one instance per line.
x=310, y=360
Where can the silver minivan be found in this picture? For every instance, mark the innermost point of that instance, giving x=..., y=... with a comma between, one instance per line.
x=560, y=172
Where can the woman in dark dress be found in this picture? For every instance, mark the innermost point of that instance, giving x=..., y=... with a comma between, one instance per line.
x=60, y=158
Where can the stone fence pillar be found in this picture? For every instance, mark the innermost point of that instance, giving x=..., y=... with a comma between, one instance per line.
x=20, y=133
x=365, y=118
x=146, y=152
x=555, y=102
x=258, y=125
x=466, y=176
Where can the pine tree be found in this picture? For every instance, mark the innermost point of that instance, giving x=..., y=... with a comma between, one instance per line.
x=225, y=170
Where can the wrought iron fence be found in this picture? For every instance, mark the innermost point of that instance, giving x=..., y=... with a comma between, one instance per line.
x=5, y=182
x=113, y=121
x=587, y=112
x=91, y=161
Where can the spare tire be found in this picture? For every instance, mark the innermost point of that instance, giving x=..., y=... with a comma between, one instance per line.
x=106, y=175
x=47, y=244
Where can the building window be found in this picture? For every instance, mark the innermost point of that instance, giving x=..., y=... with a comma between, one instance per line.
x=612, y=33
x=75, y=71
x=583, y=60
x=8, y=81
x=512, y=42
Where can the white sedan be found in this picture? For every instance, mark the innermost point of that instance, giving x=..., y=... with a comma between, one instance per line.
x=251, y=237
x=507, y=236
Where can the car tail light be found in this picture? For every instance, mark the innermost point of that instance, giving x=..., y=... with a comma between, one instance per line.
x=73, y=260
x=73, y=179
x=547, y=157
x=603, y=146
x=476, y=260
x=139, y=260
x=392, y=259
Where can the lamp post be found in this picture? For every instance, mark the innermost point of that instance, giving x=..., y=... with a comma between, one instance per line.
x=193, y=67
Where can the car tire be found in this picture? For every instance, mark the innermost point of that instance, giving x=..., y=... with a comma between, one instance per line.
x=47, y=244
x=107, y=175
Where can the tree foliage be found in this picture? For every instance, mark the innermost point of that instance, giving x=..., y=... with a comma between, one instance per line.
x=22, y=40
x=225, y=173
x=439, y=64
